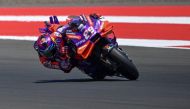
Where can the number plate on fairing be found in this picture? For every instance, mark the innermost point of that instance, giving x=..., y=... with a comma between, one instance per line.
x=86, y=35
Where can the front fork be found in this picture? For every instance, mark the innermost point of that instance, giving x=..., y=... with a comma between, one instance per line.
x=109, y=60
x=109, y=63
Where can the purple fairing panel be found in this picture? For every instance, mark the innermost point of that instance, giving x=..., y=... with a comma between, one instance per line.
x=87, y=33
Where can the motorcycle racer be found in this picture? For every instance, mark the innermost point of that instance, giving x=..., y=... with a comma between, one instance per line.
x=52, y=46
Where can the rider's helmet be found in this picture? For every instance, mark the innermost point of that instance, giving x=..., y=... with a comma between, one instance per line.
x=46, y=46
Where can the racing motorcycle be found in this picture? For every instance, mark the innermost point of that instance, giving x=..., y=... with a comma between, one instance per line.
x=97, y=52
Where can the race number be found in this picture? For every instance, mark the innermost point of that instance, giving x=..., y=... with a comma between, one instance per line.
x=89, y=32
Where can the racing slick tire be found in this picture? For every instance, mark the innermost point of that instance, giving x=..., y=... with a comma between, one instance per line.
x=125, y=66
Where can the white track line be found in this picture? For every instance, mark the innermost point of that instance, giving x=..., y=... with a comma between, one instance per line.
x=114, y=19
x=117, y=19
x=126, y=42
x=27, y=38
x=154, y=43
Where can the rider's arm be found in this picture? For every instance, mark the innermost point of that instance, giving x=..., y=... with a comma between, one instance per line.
x=63, y=65
x=49, y=63
x=62, y=48
x=59, y=38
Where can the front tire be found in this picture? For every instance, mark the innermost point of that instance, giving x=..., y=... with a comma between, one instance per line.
x=125, y=66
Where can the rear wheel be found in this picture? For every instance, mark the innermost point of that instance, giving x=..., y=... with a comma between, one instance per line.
x=125, y=65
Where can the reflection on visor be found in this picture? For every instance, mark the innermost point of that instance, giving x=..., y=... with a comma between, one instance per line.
x=49, y=52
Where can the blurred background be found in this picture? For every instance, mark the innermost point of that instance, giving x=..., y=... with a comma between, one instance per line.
x=5, y=3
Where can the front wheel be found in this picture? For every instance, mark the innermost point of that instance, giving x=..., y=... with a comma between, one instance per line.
x=125, y=65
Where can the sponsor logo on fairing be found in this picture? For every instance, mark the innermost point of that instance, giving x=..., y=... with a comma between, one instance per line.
x=80, y=42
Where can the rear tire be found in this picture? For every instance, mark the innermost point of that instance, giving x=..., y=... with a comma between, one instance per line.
x=126, y=66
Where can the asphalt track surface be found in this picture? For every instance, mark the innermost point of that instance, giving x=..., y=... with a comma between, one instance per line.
x=25, y=84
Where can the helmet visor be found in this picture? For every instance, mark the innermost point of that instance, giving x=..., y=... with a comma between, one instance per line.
x=49, y=51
